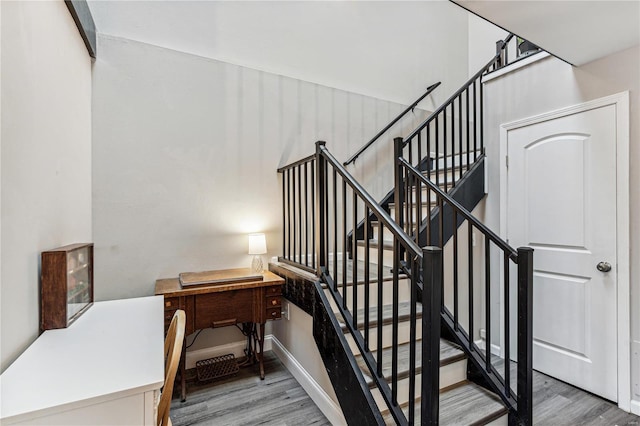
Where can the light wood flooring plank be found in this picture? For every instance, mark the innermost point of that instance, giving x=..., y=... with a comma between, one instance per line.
x=560, y=404
x=244, y=399
x=279, y=400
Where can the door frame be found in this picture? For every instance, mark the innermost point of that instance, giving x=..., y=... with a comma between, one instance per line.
x=623, y=299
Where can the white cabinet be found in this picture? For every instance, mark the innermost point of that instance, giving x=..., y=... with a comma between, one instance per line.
x=104, y=369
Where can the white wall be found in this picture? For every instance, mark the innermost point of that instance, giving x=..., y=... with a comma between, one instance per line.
x=46, y=155
x=551, y=84
x=386, y=49
x=483, y=36
x=186, y=147
x=185, y=152
x=1, y=354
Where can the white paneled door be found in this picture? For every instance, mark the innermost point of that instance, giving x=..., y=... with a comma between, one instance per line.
x=561, y=201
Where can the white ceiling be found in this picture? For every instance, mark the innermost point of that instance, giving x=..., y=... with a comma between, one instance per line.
x=576, y=31
x=386, y=49
x=390, y=50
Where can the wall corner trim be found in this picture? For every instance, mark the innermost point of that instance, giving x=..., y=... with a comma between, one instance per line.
x=81, y=14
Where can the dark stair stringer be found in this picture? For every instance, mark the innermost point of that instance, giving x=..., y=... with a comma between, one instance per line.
x=354, y=395
x=468, y=192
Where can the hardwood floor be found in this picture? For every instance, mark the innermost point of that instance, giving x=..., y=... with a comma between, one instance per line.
x=559, y=404
x=279, y=400
x=244, y=399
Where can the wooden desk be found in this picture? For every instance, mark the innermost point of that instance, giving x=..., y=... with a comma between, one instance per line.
x=224, y=304
x=106, y=368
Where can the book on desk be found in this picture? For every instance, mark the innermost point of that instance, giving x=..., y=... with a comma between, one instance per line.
x=227, y=276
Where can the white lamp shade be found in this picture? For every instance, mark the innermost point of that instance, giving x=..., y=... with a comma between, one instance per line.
x=257, y=244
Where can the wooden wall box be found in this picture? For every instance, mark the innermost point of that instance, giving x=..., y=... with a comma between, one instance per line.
x=66, y=285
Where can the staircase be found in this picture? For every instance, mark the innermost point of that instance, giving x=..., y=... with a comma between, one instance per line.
x=462, y=402
x=402, y=281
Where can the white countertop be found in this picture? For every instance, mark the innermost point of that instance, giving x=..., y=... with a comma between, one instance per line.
x=113, y=350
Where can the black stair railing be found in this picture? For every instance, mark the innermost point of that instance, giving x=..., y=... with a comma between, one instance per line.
x=297, y=199
x=450, y=140
x=322, y=205
x=299, y=214
x=475, y=272
x=341, y=202
x=391, y=124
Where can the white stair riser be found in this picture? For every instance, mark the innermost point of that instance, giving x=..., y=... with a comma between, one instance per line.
x=424, y=196
x=452, y=175
x=425, y=213
x=387, y=256
x=386, y=234
x=387, y=335
x=450, y=374
x=454, y=159
x=387, y=293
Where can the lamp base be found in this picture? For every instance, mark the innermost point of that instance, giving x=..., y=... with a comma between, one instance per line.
x=257, y=265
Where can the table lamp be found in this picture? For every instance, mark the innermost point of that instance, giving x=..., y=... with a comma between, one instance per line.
x=257, y=246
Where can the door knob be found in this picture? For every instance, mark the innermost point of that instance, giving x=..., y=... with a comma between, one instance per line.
x=603, y=266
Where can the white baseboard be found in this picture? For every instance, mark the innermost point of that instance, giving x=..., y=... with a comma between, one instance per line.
x=235, y=348
x=495, y=349
x=635, y=407
x=329, y=408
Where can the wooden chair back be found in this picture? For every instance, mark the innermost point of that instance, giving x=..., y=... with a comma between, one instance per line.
x=172, y=350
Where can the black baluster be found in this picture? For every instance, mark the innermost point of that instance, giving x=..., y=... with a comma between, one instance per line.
x=487, y=302
x=321, y=201
x=306, y=216
x=470, y=270
x=507, y=349
x=455, y=269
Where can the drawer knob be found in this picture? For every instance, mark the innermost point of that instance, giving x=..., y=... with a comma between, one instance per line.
x=274, y=302
x=273, y=314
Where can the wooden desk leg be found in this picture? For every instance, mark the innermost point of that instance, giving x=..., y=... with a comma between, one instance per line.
x=183, y=374
x=260, y=349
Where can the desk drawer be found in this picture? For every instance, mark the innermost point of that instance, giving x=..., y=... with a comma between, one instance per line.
x=171, y=303
x=274, y=290
x=274, y=313
x=224, y=308
x=273, y=301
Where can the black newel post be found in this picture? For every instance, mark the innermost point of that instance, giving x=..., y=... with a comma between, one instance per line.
x=525, y=335
x=431, y=303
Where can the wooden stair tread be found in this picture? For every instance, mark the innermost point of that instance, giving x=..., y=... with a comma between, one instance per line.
x=373, y=273
x=434, y=203
x=449, y=353
x=464, y=404
x=441, y=169
x=469, y=404
x=456, y=156
x=404, y=313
